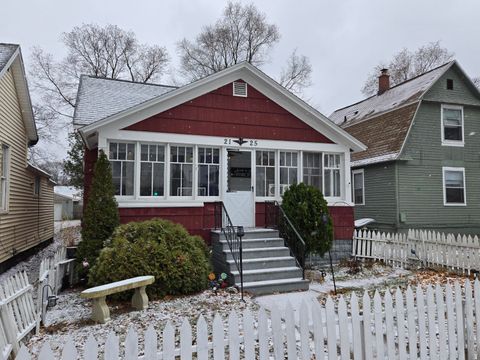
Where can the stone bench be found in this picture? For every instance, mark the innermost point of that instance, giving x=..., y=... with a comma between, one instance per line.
x=100, y=311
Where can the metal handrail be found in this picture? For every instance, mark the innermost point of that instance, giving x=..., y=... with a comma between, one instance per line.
x=297, y=244
x=234, y=241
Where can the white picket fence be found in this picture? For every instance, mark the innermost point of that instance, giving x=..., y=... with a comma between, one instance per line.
x=52, y=272
x=18, y=316
x=436, y=322
x=460, y=253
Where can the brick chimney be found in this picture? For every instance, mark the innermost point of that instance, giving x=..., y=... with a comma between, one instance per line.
x=383, y=81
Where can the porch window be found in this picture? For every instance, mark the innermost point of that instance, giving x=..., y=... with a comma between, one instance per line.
x=312, y=169
x=4, y=177
x=152, y=170
x=265, y=173
x=331, y=170
x=452, y=125
x=454, y=186
x=122, y=159
x=288, y=170
x=208, y=171
x=181, y=170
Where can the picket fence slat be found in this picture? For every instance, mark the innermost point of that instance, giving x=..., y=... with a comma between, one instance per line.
x=436, y=322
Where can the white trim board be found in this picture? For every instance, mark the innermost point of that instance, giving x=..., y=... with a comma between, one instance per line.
x=458, y=169
x=250, y=75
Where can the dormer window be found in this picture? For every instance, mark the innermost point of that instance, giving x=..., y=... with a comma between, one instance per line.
x=449, y=84
x=239, y=89
x=452, y=125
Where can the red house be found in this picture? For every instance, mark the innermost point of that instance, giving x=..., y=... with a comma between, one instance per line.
x=236, y=137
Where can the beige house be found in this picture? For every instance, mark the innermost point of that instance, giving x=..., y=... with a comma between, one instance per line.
x=26, y=192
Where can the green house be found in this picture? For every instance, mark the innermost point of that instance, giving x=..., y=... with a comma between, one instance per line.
x=422, y=166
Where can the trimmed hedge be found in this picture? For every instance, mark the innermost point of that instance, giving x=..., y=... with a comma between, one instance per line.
x=178, y=260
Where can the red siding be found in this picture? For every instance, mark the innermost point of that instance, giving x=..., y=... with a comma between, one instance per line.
x=197, y=220
x=89, y=159
x=342, y=217
x=219, y=113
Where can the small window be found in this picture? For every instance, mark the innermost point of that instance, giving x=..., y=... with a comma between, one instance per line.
x=452, y=125
x=358, y=187
x=181, y=170
x=152, y=170
x=312, y=169
x=122, y=161
x=4, y=177
x=265, y=173
x=454, y=186
x=288, y=170
x=449, y=84
x=331, y=172
x=239, y=89
x=208, y=171
x=36, y=185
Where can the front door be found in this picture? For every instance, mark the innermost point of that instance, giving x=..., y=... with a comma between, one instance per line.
x=239, y=199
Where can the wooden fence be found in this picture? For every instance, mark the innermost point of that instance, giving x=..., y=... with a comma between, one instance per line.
x=436, y=322
x=18, y=316
x=52, y=272
x=460, y=253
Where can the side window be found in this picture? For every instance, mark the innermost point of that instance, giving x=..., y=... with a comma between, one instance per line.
x=454, y=186
x=452, y=125
x=181, y=170
x=332, y=173
x=36, y=185
x=4, y=177
x=358, y=187
x=265, y=173
x=208, y=171
x=152, y=170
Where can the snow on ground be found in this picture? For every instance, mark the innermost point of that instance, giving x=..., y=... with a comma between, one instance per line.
x=71, y=316
x=59, y=225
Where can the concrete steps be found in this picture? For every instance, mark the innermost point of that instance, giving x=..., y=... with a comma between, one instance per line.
x=268, y=266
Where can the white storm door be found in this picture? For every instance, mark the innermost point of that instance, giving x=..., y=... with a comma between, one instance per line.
x=240, y=206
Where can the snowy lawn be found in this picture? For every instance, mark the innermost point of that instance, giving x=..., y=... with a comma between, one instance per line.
x=71, y=317
x=372, y=276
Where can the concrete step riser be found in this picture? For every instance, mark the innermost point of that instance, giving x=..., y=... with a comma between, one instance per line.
x=266, y=264
x=258, y=243
x=251, y=235
x=270, y=289
x=260, y=254
x=269, y=276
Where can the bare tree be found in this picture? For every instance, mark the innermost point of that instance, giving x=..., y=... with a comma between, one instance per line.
x=107, y=51
x=296, y=75
x=407, y=64
x=476, y=81
x=242, y=34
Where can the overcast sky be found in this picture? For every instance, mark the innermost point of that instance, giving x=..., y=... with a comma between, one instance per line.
x=344, y=39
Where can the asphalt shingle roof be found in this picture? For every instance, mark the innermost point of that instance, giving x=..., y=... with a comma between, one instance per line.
x=99, y=98
x=6, y=52
x=382, y=121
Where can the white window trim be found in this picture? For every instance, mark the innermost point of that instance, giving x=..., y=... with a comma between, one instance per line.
x=342, y=177
x=452, y=142
x=138, y=154
x=354, y=172
x=194, y=177
x=458, y=169
x=136, y=168
x=220, y=175
x=6, y=196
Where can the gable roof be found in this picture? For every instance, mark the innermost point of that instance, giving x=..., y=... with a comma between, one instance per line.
x=244, y=71
x=402, y=94
x=11, y=58
x=99, y=98
x=382, y=122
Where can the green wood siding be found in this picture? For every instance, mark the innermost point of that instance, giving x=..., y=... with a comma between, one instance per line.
x=380, y=203
x=461, y=93
x=421, y=178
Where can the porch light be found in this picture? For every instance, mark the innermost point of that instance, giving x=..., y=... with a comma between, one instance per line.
x=52, y=299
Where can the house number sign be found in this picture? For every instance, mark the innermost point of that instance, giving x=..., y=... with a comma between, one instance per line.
x=240, y=141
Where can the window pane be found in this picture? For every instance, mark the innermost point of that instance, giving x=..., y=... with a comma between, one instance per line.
x=283, y=175
x=214, y=171
x=130, y=151
x=122, y=151
x=328, y=182
x=453, y=133
x=201, y=155
x=270, y=177
x=455, y=196
x=173, y=153
x=453, y=178
x=189, y=154
x=116, y=175
x=282, y=158
x=292, y=175
x=187, y=180
x=260, y=181
x=271, y=158
x=294, y=159
x=181, y=154
x=144, y=152
x=264, y=157
x=175, y=179
x=216, y=156
x=152, y=156
x=258, y=158
x=336, y=182
x=202, y=180
x=113, y=151
x=158, y=175
x=160, y=153
x=127, y=180
x=146, y=179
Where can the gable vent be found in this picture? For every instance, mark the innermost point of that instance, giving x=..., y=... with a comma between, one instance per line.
x=239, y=89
